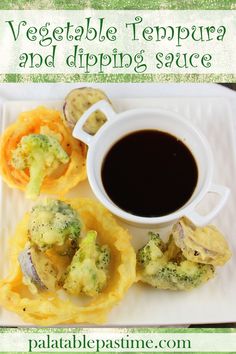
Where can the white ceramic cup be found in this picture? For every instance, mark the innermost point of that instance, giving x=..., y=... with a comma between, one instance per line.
x=120, y=124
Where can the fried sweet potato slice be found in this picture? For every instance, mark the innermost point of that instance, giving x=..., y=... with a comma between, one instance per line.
x=78, y=101
x=201, y=244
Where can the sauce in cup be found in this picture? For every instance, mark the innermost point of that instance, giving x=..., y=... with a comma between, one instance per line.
x=149, y=173
x=150, y=167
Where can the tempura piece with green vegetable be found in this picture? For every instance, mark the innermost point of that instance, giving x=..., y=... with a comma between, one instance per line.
x=88, y=271
x=162, y=265
x=42, y=154
x=52, y=223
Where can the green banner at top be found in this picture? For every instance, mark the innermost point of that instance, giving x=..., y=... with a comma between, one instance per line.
x=119, y=4
x=117, y=41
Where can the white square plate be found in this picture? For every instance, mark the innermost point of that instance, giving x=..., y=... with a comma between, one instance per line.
x=142, y=305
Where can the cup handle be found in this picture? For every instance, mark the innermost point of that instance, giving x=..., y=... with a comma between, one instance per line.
x=78, y=131
x=202, y=220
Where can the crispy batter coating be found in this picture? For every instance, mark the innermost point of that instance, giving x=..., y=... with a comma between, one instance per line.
x=163, y=266
x=201, y=244
x=31, y=122
x=49, y=308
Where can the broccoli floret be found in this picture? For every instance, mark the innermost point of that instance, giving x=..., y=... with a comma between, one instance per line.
x=52, y=223
x=184, y=276
x=103, y=257
x=88, y=271
x=152, y=250
x=163, y=266
x=41, y=154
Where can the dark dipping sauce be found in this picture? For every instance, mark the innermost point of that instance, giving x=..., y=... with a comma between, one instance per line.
x=149, y=173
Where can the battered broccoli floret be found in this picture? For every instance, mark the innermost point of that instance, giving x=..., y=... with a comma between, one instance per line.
x=88, y=271
x=163, y=266
x=52, y=223
x=41, y=154
x=151, y=250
